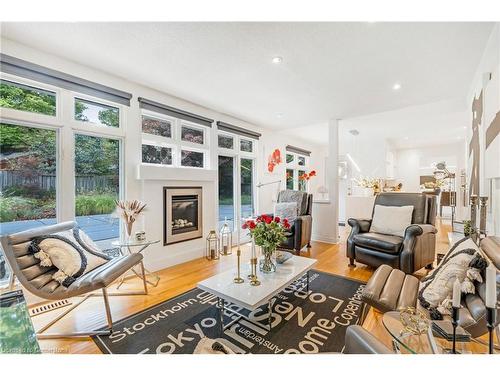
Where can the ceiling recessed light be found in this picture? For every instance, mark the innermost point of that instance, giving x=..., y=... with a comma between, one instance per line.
x=406, y=138
x=279, y=115
x=277, y=60
x=396, y=86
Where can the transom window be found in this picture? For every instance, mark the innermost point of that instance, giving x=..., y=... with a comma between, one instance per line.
x=27, y=98
x=169, y=141
x=96, y=113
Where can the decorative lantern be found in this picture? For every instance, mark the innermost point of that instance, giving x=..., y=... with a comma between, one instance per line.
x=212, y=246
x=225, y=239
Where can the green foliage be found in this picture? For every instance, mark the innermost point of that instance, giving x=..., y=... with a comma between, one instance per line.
x=15, y=208
x=27, y=99
x=22, y=208
x=39, y=144
x=90, y=204
x=109, y=117
x=96, y=156
x=80, y=107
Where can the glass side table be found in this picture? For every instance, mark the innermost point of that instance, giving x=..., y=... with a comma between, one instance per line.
x=17, y=335
x=133, y=246
x=425, y=343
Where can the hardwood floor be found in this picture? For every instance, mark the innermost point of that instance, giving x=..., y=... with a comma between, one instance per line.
x=181, y=278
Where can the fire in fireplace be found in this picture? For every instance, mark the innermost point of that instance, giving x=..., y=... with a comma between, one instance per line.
x=182, y=214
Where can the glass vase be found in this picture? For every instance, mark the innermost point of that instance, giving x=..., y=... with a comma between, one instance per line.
x=267, y=263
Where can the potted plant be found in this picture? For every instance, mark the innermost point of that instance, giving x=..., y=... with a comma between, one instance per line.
x=268, y=233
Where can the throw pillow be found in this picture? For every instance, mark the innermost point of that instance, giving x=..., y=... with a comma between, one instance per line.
x=286, y=210
x=463, y=261
x=300, y=197
x=72, y=252
x=391, y=220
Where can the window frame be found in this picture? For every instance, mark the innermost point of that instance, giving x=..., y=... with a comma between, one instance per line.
x=66, y=127
x=228, y=135
x=33, y=117
x=296, y=168
x=90, y=127
x=175, y=142
x=237, y=154
x=159, y=117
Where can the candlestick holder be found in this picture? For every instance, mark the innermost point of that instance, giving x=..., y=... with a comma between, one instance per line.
x=238, y=279
x=474, y=201
x=254, y=281
x=454, y=323
x=490, y=323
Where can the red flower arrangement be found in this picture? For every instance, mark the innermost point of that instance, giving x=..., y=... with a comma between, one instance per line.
x=267, y=231
x=307, y=176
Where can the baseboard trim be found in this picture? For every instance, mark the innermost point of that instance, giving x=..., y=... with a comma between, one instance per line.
x=325, y=239
x=158, y=263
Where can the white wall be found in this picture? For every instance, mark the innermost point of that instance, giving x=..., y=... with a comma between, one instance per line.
x=412, y=163
x=150, y=191
x=487, y=80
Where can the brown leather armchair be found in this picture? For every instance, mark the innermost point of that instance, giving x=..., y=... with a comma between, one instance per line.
x=409, y=253
x=301, y=230
x=359, y=341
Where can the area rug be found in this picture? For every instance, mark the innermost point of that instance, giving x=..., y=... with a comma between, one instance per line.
x=312, y=321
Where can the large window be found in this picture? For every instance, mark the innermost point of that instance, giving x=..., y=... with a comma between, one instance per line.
x=97, y=185
x=28, y=183
x=27, y=177
x=296, y=165
x=32, y=168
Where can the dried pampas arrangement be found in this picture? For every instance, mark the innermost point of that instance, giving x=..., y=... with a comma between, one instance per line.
x=129, y=211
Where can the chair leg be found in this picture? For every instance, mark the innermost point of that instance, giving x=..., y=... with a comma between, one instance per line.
x=144, y=281
x=40, y=335
x=351, y=262
x=108, y=309
x=308, y=245
x=430, y=266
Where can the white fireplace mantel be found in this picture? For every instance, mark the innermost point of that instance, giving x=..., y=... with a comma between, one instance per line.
x=158, y=172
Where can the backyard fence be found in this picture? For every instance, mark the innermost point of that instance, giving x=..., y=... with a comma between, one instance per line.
x=10, y=178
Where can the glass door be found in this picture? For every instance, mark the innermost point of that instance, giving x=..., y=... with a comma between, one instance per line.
x=226, y=190
x=247, y=188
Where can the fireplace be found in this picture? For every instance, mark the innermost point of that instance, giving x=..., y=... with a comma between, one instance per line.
x=182, y=214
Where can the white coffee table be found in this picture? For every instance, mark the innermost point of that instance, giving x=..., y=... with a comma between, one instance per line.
x=251, y=297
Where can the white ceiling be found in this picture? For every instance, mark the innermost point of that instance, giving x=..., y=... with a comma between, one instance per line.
x=432, y=124
x=330, y=70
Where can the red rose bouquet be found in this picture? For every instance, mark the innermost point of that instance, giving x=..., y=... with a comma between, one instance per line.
x=267, y=232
